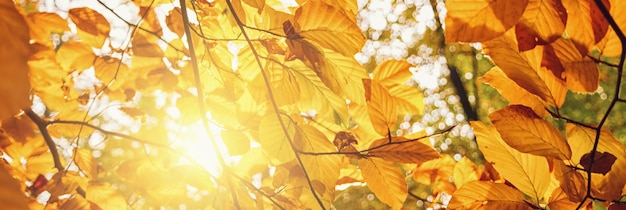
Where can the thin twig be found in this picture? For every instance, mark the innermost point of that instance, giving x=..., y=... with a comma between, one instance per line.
x=620, y=69
x=273, y=102
x=200, y=97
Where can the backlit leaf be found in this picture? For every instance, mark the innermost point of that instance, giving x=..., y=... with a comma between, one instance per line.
x=464, y=172
x=236, y=142
x=11, y=195
x=602, y=162
x=546, y=18
x=380, y=107
x=14, y=84
x=330, y=27
x=525, y=131
x=105, y=196
x=525, y=171
x=476, y=21
x=274, y=140
x=559, y=200
x=75, y=56
x=111, y=72
x=518, y=67
x=43, y=24
x=513, y=92
x=571, y=181
x=402, y=150
x=72, y=130
x=174, y=21
x=487, y=195
x=581, y=73
x=385, y=180
x=86, y=162
x=585, y=23
x=93, y=27
x=392, y=72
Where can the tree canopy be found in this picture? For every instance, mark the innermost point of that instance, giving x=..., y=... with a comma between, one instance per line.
x=259, y=104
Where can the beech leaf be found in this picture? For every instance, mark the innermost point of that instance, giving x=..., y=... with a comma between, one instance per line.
x=402, y=150
x=385, y=180
x=477, y=21
x=602, y=162
x=487, y=195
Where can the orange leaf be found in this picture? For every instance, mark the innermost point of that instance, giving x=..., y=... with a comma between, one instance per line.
x=477, y=21
x=392, y=72
x=75, y=56
x=487, y=195
x=572, y=182
x=174, y=22
x=602, y=162
x=111, y=72
x=11, y=194
x=43, y=24
x=559, y=200
x=581, y=73
x=545, y=18
x=402, y=150
x=464, y=172
x=93, y=27
x=523, y=130
x=513, y=92
x=14, y=84
x=585, y=23
x=380, y=107
x=385, y=180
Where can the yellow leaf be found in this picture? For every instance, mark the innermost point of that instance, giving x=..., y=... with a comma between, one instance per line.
x=274, y=140
x=380, y=107
x=408, y=99
x=174, y=22
x=144, y=44
x=481, y=20
x=402, y=150
x=581, y=140
x=487, y=195
x=111, y=72
x=11, y=194
x=347, y=75
x=75, y=56
x=106, y=197
x=93, y=28
x=571, y=181
x=72, y=130
x=513, y=92
x=43, y=24
x=519, y=67
x=464, y=172
x=525, y=131
x=282, y=81
x=559, y=200
x=392, y=72
x=330, y=27
x=585, y=24
x=546, y=18
x=236, y=142
x=385, y=180
x=581, y=73
x=442, y=168
x=525, y=171
x=85, y=162
x=14, y=84
x=321, y=168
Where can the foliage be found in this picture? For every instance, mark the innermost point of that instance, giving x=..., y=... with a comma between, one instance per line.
x=545, y=53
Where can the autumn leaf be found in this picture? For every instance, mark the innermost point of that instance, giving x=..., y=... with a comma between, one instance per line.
x=392, y=72
x=236, y=142
x=602, y=162
x=581, y=73
x=477, y=21
x=106, y=197
x=85, y=161
x=111, y=72
x=14, y=84
x=174, y=22
x=513, y=92
x=464, y=172
x=43, y=24
x=487, y=195
x=93, y=27
x=72, y=130
x=525, y=171
x=585, y=23
x=328, y=26
x=75, y=56
x=546, y=19
x=385, y=180
x=274, y=140
x=559, y=200
x=571, y=181
x=525, y=131
x=11, y=195
x=402, y=150
x=380, y=107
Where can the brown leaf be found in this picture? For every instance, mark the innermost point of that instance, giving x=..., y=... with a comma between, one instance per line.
x=174, y=22
x=602, y=162
x=572, y=182
x=402, y=150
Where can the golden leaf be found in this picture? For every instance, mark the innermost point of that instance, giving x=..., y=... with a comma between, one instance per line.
x=20, y=128
x=144, y=44
x=392, y=72
x=42, y=25
x=519, y=67
x=585, y=23
x=487, y=195
x=385, y=180
x=174, y=22
x=546, y=18
x=477, y=21
x=513, y=92
x=442, y=168
x=581, y=73
x=559, y=200
x=380, y=107
x=464, y=172
x=525, y=131
x=408, y=99
x=11, y=194
x=86, y=162
x=72, y=130
x=106, y=197
x=236, y=142
x=321, y=168
x=75, y=56
x=525, y=171
x=402, y=150
x=274, y=140
x=14, y=84
x=571, y=181
x=93, y=28
x=111, y=72
x=330, y=27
